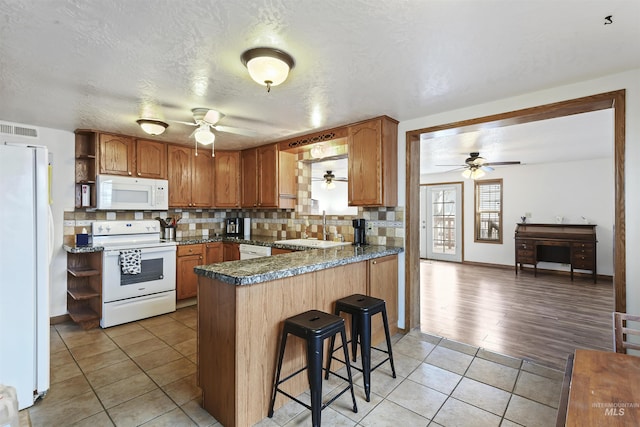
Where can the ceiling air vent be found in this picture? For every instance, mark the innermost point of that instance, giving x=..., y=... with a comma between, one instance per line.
x=15, y=129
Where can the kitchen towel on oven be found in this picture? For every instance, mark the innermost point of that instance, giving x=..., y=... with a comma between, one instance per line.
x=131, y=261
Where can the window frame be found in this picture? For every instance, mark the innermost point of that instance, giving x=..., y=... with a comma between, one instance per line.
x=477, y=212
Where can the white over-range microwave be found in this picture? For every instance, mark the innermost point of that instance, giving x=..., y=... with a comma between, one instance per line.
x=127, y=193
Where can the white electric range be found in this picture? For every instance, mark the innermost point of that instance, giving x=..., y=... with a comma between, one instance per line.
x=148, y=292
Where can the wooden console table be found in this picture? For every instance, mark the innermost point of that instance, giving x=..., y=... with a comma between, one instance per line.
x=603, y=390
x=573, y=244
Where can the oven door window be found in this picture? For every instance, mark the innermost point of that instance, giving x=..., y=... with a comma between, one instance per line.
x=151, y=269
x=157, y=274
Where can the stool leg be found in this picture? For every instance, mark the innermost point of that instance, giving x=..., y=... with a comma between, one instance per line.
x=355, y=328
x=365, y=349
x=314, y=371
x=330, y=356
x=386, y=332
x=346, y=358
x=283, y=343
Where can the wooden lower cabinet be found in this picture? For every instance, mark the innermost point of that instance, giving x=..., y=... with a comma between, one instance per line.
x=214, y=252
x=188, y=257
x=238, y=376
x=84, y=288
x=278, y=251
x=231, y=251
x=383, y=284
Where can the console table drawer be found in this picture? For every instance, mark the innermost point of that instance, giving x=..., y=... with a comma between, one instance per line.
x=583, y=247
x=525, y=256
x=525, y=245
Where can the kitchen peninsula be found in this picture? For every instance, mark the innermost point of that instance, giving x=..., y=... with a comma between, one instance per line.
x=241, y=305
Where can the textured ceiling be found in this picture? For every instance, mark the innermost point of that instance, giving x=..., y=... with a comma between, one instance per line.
x=70, y=64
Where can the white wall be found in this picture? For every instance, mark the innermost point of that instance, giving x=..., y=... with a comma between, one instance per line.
x=630, y=81
x=570, y=190
x=61, y=146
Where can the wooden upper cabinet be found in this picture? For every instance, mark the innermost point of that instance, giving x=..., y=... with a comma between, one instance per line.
x=226, y=179
x=179, y=175
x=190, y=177
x=268, y=178
x=202, y=179
x=151, y=159
x=126, y=156
x=250, y=178
x=117, y=154
x=373, y=163
x=287, y=183
x=268, y=191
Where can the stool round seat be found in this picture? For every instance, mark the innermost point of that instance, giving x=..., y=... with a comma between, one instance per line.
x=362, y=308
x=314, y=327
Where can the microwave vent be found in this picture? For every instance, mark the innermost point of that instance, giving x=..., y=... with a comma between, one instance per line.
x=14, y=129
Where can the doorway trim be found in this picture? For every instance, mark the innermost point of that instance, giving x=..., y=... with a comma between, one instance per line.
x=602, y=101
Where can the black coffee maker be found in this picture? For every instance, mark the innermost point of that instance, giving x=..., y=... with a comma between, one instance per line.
x=359, y=228
x=234, y=227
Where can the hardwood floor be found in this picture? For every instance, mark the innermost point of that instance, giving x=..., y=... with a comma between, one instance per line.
x=542, y=319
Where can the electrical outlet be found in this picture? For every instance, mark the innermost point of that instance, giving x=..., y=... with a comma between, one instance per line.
x=527, y=214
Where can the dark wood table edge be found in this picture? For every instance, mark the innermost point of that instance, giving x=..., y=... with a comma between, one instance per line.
x=561, y=419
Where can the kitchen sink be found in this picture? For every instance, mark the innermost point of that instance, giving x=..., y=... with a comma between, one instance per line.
x=312, y=243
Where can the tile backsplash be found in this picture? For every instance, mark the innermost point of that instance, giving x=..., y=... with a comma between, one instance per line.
x=385, y=225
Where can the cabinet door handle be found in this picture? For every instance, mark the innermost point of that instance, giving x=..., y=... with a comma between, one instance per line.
x=200, y=256
x=138, y=173
x=375, y=262
x=129, y=172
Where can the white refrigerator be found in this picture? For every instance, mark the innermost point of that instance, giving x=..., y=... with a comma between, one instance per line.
x=25, y=241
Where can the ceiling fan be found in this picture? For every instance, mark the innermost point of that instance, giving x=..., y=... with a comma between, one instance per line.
x=329, y=180
x=476, y=166
x=206, y=121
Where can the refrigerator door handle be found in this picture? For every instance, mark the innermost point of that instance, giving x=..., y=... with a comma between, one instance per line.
x=51, y=235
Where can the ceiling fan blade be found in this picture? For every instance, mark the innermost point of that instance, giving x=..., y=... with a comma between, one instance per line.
x=212, y=117
x=501, y=163
x=237, y=131
x=184, y=123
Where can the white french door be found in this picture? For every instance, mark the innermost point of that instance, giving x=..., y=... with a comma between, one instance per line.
x=441, y=228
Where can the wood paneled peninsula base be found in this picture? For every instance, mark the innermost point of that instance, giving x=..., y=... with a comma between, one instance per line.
x=241, y=307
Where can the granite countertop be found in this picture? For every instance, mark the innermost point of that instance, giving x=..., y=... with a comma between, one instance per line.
x=258, y=270
x=257, y=240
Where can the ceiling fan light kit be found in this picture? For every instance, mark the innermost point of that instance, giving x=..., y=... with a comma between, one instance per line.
x=152, y=127
x=204, y=135
x=267, y=66
x=474, y=173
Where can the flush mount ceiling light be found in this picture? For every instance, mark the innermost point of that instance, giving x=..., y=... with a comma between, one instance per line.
x=204, y=135
x=267, y=66
x=152, y=127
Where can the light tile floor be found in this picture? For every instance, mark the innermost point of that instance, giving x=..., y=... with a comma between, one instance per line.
x=143, y=373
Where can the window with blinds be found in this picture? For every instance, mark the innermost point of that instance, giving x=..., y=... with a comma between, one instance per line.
x=488, y=211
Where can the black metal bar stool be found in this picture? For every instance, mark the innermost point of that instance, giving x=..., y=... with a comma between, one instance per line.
x=362, y=308
x=314, y=327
